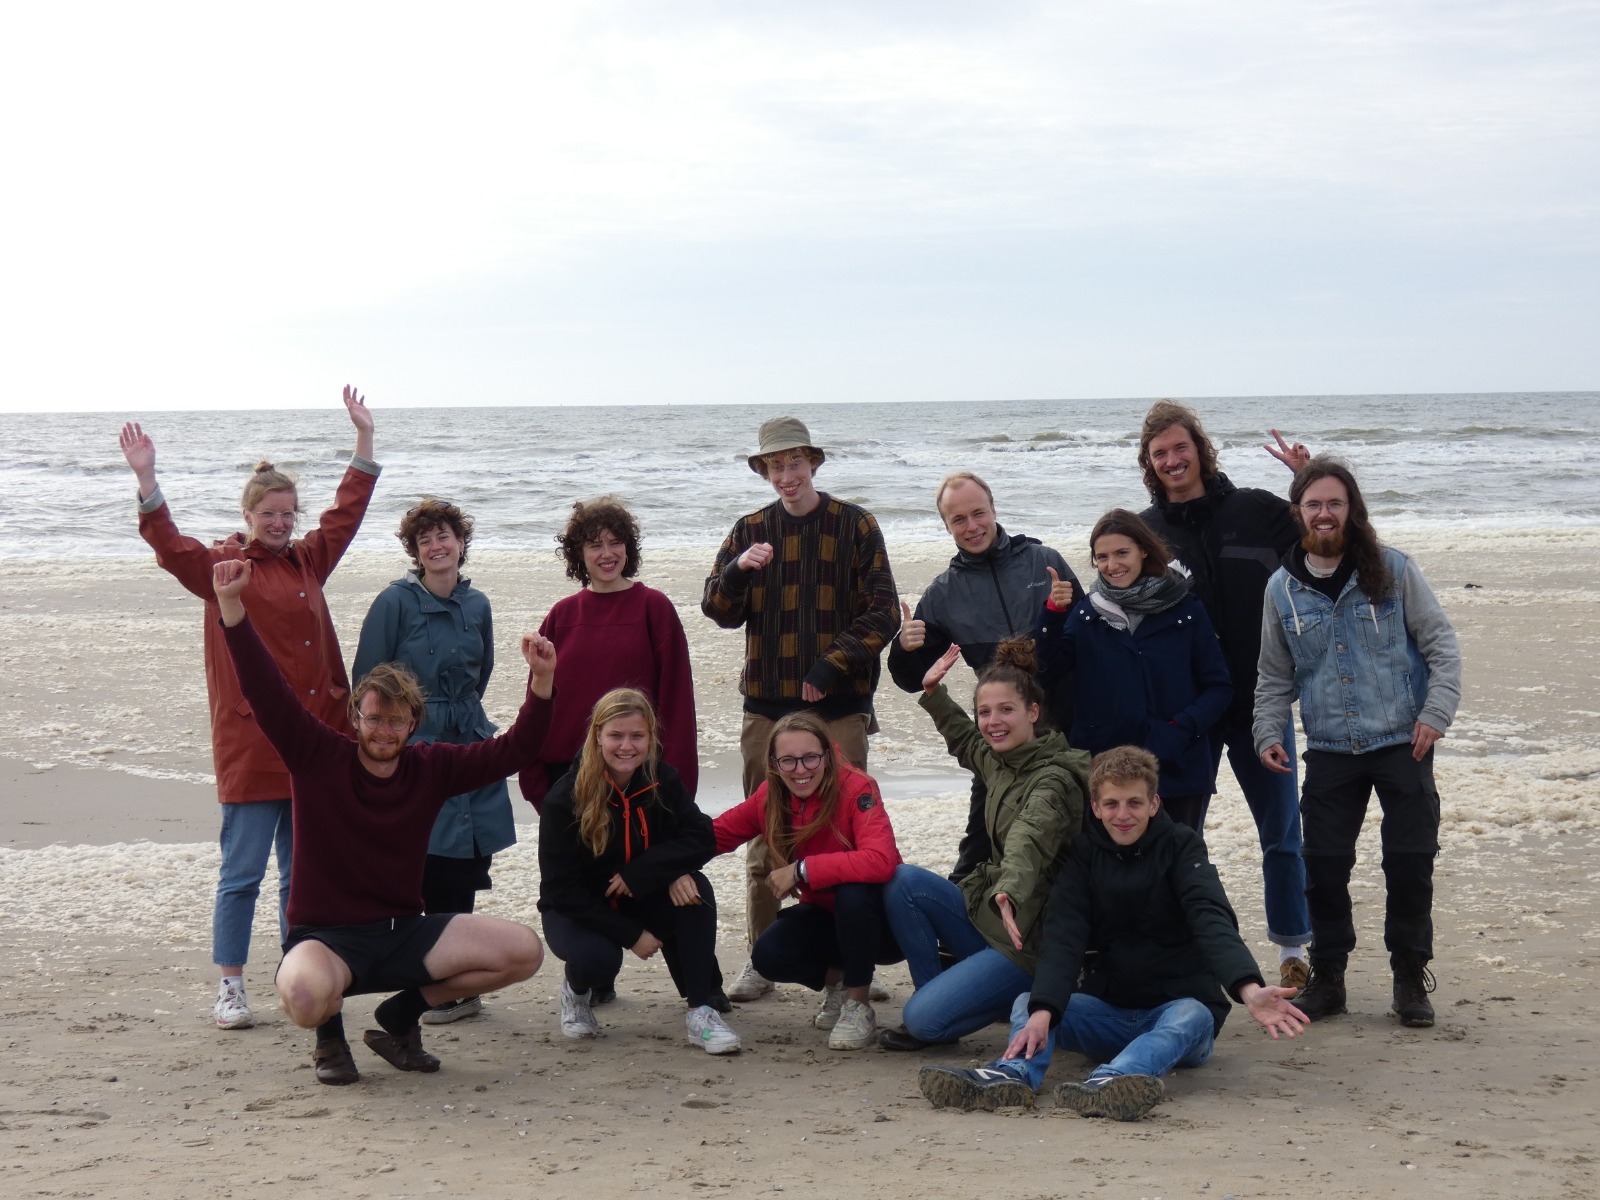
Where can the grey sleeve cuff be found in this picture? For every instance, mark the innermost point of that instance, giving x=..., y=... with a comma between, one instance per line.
x=148, y=504
x=365, y=465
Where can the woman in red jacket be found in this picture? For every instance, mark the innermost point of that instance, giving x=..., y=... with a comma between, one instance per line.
x=832, y=845
x=288, y=611
x=613, y=632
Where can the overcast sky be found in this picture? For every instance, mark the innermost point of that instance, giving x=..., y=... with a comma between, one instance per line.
x=543, y=203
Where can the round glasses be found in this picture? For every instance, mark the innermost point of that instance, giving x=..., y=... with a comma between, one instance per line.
x=790, y=763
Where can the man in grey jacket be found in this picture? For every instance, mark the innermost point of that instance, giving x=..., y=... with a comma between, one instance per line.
x=994, y=589
x=1351, y=628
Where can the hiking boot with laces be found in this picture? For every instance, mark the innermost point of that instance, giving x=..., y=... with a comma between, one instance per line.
x=828, y=1015
x=1412, y=983
x=1324, y=995
x=710, y=1032
x=1119, y=1097
x=856, y=1027
x=232, y=1011
x=974, y=1088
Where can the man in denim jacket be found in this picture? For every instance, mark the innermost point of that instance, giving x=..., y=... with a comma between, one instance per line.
x=1352, y=630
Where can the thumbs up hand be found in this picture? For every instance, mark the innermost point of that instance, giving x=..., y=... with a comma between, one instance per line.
x=1060, y=591
x=913, y=633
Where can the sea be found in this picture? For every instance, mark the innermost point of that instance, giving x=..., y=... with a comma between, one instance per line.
x=1494, y=461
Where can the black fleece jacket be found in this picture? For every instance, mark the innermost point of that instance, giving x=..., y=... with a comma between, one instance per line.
x=658, y=835
x=1232, y=539
x=1146, y=924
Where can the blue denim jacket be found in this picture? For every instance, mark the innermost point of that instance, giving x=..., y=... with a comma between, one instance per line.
x=1364, y=673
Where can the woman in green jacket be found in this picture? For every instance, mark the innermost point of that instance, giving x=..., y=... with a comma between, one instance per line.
x=989, y=923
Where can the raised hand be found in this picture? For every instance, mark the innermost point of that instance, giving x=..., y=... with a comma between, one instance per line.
x=913, y=633
x=1294, y=457
x=1060, y=591
x=756, y=557
x=361, y=418
x=229, y=578
x=140, y=452
x=940, y=668
x=540, y=655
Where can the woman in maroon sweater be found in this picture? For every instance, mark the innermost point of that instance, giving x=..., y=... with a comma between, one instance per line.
x=614, y=632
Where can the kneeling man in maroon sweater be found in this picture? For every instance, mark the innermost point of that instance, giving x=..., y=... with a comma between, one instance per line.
x=363, y=811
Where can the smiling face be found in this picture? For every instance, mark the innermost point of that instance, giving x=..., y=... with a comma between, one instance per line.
x=1177, y=464
x=1004, y=718
x=1324, y=508
x=790, y=474
x=969, y=516
x=1119, y=559
x=604, y=557
x=439, y=551
x=799, y=757
x=271, y=521
x=1125, y=809
x=624, y=743
x=381, y=731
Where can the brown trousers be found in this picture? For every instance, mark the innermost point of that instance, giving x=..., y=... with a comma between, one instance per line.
x=850, y=735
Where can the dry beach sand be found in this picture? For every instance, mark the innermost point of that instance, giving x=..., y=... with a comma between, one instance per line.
x=116, y=1084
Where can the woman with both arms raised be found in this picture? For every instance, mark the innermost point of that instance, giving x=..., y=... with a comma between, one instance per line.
x=990, y=923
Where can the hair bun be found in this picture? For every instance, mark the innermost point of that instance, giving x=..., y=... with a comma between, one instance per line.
x=1019, y=653
x=264, y=466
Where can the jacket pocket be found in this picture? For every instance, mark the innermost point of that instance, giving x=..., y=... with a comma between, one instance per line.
x=1307, y=631
x=1377, y=625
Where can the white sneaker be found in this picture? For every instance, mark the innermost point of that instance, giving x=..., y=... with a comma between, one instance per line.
x=231, y=1010
x=577, y=1018
x=878, y=993
x=856, y=1028
x=708, y=1031
x=828, y=1015
x=751, y=985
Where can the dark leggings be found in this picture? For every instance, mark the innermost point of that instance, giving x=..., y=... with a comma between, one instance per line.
x=806, y=940
x=688, y=935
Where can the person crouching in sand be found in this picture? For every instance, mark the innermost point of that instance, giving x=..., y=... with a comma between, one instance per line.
x=363, y=809
x=1139, y=910
x=621, y=844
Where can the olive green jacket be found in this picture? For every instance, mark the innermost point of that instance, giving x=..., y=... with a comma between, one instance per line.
x=1033, y=811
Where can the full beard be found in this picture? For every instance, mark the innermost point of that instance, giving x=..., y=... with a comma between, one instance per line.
x=1329, y=545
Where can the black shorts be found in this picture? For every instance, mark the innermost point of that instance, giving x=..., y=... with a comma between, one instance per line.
x=383, y=956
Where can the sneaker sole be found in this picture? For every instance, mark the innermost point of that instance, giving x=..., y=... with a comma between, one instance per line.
x=854, y=1043
x=581, y=1035
x=1124, y=1098
x=236, y=1023
x=444, y=1016
x=713, y=1048
x=943, y=1088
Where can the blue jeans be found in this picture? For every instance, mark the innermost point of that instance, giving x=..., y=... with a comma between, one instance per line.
x=925, y=912
x=1127, y=1041
x=250, y=832
x=1275, y=804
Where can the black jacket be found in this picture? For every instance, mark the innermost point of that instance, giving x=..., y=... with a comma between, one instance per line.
x=660, y=836
x=1231, y=540
x=978, y=602
x=1146, y=924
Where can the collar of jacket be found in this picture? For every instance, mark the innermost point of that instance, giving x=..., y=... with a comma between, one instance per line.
x=1048, y=749
x=430, y=602
x=1005, y=545
x=252, y=549
x=1198, y=510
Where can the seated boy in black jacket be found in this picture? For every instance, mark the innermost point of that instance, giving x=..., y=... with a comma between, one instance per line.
x=1139, y=912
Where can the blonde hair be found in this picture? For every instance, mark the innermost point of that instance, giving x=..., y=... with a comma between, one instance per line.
x=781, y=838
x=396, y=686
x=1124, y=764
x=267, y=479
x=591, y=790
x=956, y=479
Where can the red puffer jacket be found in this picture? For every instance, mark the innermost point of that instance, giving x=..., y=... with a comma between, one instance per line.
x=857, y=847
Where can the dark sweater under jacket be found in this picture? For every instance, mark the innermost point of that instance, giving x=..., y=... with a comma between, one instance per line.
x=1146, y=924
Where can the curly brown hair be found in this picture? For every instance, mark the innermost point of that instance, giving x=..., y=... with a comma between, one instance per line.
x=1124, y=764
x=1360, y=538
x=397, y=688
x=1163, y=415
x=589, y=519
x=433, y=514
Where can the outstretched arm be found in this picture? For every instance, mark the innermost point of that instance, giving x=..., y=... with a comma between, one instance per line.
x=361, y=418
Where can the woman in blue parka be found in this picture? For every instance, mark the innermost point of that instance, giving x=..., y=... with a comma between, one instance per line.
x=435, y=622
x=1150, y=671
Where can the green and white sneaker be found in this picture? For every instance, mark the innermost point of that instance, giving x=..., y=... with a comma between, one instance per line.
x=710, y=1032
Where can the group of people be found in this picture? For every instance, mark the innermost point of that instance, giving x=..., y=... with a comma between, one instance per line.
x=1082, y=904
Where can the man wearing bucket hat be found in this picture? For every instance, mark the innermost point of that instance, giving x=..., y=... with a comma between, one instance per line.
x=808, y=579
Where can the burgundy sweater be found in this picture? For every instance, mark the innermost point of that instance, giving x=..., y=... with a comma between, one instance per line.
x=360, y=842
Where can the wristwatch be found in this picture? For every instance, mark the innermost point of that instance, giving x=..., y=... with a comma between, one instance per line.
x=800, y=872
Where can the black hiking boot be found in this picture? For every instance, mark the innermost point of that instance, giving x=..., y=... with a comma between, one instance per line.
x=1412, y=983
x=1324, y=995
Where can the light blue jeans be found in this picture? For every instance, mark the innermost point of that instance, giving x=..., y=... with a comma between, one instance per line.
x=250, y=832
x=1274, y=802
x=1127, y=1041
x=927, y=911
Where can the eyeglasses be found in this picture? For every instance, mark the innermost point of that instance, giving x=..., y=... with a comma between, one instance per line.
x=1333, y=507
x=392, y=724
x=790, y=763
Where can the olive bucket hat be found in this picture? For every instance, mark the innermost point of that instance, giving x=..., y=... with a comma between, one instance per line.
x=780, y=434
